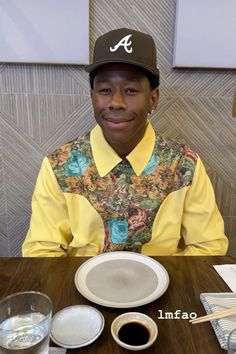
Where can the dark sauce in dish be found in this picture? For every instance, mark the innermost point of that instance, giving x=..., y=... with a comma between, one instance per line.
x=134, y=333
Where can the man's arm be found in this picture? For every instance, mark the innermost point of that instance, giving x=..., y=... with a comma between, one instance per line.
x=202, y=223
x=49, y=233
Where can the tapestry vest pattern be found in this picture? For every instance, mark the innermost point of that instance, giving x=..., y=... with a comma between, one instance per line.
x=127, y=203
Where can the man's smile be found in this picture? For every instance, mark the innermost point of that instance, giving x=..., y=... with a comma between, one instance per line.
x=117, y=123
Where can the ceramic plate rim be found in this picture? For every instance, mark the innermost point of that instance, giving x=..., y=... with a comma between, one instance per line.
x=83, y=344
x=83, y=270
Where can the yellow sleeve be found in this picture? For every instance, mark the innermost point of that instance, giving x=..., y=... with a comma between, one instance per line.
x=49, y=233
x=202, y=223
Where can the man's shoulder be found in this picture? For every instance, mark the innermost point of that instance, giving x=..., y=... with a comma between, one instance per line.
x=64, y=152
x=175, y=149
x=179, y=158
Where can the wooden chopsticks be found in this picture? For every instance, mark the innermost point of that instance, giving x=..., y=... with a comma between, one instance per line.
x=214, y=316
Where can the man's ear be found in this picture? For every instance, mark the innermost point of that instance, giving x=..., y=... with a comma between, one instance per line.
x=154, y=99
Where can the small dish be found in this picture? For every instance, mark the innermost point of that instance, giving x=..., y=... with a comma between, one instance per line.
x=134, y=331
x=76, y=326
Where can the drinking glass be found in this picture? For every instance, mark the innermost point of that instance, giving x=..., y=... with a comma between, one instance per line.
x=232, y=342
x=25, y=321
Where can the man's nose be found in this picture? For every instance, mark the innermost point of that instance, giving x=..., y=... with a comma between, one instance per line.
x=117, y=101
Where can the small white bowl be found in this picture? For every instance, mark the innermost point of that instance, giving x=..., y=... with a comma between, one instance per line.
x=76, y=326
x=134, y=317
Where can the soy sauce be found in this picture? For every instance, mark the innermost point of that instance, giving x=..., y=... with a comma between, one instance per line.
x=134, y=333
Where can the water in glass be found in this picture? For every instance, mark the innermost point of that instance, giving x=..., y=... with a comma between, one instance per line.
x=21, y=335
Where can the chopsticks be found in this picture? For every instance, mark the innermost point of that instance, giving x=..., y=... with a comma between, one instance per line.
x=214, y=316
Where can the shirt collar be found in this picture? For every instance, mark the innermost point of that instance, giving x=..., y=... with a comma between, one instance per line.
x=106, y=158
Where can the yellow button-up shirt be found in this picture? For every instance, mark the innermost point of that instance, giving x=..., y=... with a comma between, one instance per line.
x=85, y=203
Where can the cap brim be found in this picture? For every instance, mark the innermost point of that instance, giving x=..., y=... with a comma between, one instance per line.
x=92, y=67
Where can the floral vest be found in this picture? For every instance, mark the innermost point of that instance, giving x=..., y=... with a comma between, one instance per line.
x=127, y=203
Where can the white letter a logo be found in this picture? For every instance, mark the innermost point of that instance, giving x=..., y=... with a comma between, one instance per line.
x=123, y=43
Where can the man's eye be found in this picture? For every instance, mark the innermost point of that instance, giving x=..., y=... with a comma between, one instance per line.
x=131, y=91
x=104, y=90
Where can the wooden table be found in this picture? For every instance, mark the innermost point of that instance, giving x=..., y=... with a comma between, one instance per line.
x=189, y=276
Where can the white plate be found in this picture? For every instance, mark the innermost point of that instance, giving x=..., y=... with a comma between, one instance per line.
x=76, y=326
x=121, y=279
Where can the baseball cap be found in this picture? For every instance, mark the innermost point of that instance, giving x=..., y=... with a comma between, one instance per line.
x=128, y=46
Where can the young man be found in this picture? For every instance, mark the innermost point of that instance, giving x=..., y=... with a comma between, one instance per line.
x=122, y=186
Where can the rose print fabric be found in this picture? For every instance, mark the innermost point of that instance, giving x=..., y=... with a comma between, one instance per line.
x=126, y=202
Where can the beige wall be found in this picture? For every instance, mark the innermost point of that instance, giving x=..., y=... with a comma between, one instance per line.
x=42, y=106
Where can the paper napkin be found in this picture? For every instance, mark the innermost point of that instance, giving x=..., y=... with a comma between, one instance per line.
x=213, y=302
x=228, y=274
x=55, y=350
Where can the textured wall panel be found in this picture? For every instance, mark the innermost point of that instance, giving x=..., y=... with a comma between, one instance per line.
x=4, y=250
x=43, y=106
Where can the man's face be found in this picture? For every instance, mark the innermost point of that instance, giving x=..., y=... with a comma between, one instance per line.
x=122, y=98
